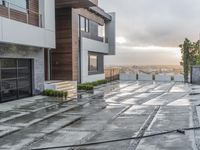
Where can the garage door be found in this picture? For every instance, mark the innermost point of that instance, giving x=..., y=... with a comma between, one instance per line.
x=15, y=79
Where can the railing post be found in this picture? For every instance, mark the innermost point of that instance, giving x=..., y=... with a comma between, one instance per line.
x=27, y=17
x=9, y=10
x=40, y=20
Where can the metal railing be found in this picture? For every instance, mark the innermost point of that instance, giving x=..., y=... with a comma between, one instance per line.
x=26, y=14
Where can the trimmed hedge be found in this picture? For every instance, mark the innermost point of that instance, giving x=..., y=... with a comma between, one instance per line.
x=54, y=93
x=90, y=85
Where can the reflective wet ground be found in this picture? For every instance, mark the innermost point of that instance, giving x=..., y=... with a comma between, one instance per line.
x=117, y=110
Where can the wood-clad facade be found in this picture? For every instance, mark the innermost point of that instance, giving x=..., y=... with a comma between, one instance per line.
x=30, y=14
x=65, y=58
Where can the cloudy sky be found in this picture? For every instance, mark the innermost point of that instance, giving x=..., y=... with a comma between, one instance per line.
x=149, y=31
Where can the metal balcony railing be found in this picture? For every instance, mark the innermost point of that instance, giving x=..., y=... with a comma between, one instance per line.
x=18, y=13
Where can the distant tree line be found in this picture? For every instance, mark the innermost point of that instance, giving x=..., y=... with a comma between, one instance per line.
x=190, y=56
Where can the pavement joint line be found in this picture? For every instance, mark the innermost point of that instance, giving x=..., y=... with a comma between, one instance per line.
x=14, y=116
x=134, y=143
x=93, y=134
x=170, y=88
x=46, y=134
x=176, y=99
x=39, y=109
x=8, y=133
x=44, y=118
x=196, y=123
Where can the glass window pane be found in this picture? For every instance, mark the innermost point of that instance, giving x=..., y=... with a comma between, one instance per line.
x=24, y=82
x=9, y=90
x=24, y=92
x=20, y=5
x=8, y=63
x=87, y=25
x=8, y=73
x=82, y=23
x=23, y=63
x=101, y=31
x=93, y=63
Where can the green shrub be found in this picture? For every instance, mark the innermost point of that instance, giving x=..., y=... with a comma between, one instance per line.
x=85, y=86
x=90, y=85
x=54, y=93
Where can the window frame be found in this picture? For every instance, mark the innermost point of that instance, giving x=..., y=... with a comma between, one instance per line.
x=85, y=23
x=102, y=28
x=90, y=72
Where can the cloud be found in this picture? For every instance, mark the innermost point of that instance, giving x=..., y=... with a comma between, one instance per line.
x=162, y=23
x=150, y=55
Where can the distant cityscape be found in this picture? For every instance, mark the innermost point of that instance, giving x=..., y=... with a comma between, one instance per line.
x=151, y=69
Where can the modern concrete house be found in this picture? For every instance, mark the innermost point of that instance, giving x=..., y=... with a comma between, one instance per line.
x=27, y=27
x=85, y=33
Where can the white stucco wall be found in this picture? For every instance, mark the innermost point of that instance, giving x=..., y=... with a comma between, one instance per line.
x=88, y=45
x=16, y=32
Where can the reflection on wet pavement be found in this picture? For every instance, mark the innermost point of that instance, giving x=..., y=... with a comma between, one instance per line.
x=116, y=110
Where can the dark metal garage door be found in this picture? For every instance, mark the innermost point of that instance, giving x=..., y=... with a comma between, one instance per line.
x=15, y=79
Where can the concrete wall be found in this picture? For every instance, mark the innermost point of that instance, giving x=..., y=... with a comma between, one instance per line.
x=178, y=78
x=145, y=77
x=89, y=45
x=37, y=54
x=149, y=77
x=128, y=77
x=163, y=78
x=15, y=32
x=110, y=34
x=195, y=74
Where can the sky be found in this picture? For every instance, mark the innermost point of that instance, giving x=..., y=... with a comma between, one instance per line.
x=148, y=32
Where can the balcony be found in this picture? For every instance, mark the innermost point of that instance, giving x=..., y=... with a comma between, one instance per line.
x=15, y=12
x=76, y=3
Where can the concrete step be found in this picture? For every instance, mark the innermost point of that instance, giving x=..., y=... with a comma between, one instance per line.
x=65, y=86
x=27, y=136
x=35, y=117
x=66, y=89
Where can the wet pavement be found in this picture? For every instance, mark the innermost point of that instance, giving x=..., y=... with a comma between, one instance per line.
x=117, y=110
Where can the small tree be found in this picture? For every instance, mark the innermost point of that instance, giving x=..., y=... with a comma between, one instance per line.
x=185, y=57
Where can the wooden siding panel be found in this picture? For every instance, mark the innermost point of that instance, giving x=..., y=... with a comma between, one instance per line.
x=62, y=62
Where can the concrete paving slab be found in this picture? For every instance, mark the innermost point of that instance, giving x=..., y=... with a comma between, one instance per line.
x=170, y=121
x=132, y=123
x=139, y=110
x=32, y=118
x=87, y=125
x=63, y=137
x=180, y=87
x=5, y=130
x=172, y=141
x=108, y=135
x=9, y=115
x=165, y=99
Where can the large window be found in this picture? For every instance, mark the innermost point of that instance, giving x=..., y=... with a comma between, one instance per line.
x=101, y=31
x=20, y=5
x=15, y=79
x=84, y=24
x=92, y=63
